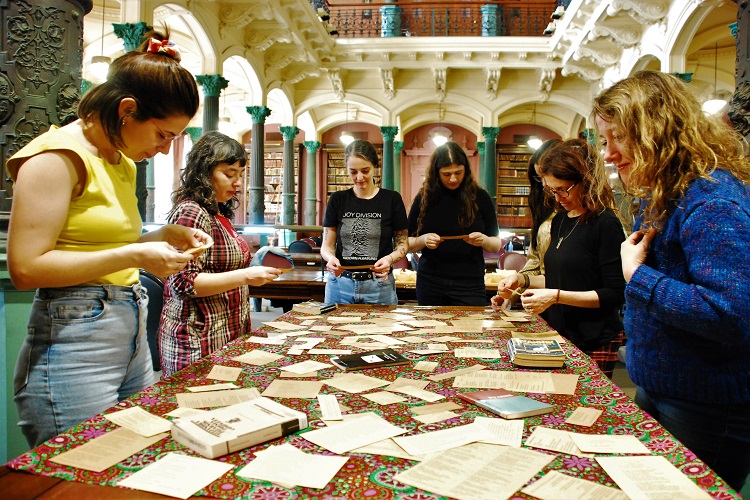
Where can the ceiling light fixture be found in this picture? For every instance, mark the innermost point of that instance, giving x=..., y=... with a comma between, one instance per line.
x=100, y=64
x=716, y=100
x=346, y=137
x=438, y=138
x=533, y=141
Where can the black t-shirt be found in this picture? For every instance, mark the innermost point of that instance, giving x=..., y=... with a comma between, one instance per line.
x=588, y=258
x=453, y=259
x=364, y=228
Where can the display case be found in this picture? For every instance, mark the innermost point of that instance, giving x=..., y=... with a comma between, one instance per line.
x=337, y=176
x=513, y=187
x=273, y=160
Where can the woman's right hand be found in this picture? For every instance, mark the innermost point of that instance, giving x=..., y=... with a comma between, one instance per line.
x=260, y=275
x=507, y=285
x=334, y=267
x=431, y=240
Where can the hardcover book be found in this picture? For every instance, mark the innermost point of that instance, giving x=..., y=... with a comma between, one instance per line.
x=506, y=404
x=232, y=428
x=313, y=307
x=369, y=359
x=536, y=352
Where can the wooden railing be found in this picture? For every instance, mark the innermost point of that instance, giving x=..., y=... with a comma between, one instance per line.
x=514, y=18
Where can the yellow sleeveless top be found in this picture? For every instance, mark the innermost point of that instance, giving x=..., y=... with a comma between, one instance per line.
x=105, y=215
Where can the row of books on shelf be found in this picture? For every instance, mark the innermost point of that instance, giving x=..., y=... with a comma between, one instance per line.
x=514, y=221
x=511, y=190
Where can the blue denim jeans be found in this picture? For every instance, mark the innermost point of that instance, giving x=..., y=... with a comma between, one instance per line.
x=432, y=291
x=85, y=351
x=344, y=290
x=718, y=434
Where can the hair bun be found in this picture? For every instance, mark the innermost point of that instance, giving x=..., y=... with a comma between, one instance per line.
x=165, y=47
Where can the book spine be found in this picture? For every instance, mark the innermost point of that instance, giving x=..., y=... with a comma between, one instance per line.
x=204, y=449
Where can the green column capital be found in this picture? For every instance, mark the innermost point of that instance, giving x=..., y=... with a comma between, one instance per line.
x=289, y=132
x=490, y=133
x=258, y=113
x=194, y=133
x=480, y=147
x=311, y=146
x=389, y=132
x=131, y=34
x=212, y=84
x=590, y=135
x=398, y=146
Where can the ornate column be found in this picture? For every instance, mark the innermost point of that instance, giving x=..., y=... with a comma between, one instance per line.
x=311, y=187
x=489, y=20
x=194, y=133
x=489, y=175
x=40, y=74
x=212, y=87
x=480, y=148
x=255, y=205
x=391, y=20
x=386, y=176
x=398, y=146
x=288, y=183
x=145, y=185
x=739, y=108
x=131, y=34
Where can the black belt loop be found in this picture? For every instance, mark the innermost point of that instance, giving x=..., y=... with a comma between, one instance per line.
x=358, y=275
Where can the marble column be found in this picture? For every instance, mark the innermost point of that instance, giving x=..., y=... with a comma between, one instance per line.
x=489, y=175
x=489, y=19
x=288, y=183
x=398, y=146
x=40, y=74
x=255, y=205
x=194, y=133
x=390, y=16
x=386, y=179
x=311, y=183
x=212, y=87
x=480, y=148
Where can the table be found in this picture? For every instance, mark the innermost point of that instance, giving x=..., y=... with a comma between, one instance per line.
x=364, y=475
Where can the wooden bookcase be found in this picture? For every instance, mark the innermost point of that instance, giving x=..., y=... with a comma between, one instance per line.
x=513, y=187
x=273, y=160
x=336, y=174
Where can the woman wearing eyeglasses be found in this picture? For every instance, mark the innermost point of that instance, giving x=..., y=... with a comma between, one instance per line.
x=581, y=291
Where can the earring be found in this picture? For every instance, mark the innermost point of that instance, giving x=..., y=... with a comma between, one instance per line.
x=123, y=122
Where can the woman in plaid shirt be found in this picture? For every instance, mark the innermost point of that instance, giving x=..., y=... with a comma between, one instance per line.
x=207, y=305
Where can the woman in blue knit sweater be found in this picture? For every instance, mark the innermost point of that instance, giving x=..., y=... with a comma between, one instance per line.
x=688, y=295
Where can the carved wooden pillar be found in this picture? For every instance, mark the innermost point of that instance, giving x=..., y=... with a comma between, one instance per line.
x=40, y=72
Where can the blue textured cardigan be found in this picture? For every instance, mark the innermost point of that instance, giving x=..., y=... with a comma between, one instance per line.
x=687, y=313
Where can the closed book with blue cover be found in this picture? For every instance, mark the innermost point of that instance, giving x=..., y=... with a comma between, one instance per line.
x=506, y=404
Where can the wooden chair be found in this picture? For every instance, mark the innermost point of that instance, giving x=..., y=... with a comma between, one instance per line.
x=300, y=246
x=511, y=260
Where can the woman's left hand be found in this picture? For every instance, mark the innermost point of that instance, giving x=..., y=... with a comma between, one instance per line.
x=476, y=239
x=183, y=237
x=538, y=300
x=382, y=268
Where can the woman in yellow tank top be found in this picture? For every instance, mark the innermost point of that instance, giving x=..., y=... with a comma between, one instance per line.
x=75, y=235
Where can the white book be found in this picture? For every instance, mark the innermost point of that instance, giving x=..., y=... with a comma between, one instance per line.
x=226, y=430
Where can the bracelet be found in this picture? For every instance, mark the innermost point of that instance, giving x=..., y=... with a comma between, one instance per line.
x=557, y=300
x=526, y=281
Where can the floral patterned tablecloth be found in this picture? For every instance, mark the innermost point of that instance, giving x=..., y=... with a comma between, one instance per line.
x=368, y=476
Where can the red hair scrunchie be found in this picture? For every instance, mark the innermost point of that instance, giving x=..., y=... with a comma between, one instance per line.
x=164, y=47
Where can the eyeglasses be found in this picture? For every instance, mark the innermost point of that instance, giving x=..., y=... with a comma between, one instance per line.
x=164, y=137
x=562, y=193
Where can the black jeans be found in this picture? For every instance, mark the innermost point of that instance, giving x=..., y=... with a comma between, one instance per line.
x=433, y=291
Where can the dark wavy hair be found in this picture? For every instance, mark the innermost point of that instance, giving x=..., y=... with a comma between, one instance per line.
x=540, y=209
x=448, y=154
x=210, y=150
x=161, y=88
x=578, y=161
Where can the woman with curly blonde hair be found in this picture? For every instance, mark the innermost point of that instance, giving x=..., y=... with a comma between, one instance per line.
x=687, y=312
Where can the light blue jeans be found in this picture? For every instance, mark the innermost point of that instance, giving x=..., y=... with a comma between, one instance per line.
x=343, y=290
x=85, y=351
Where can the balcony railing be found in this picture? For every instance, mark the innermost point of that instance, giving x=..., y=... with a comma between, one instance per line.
x=465, y=18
